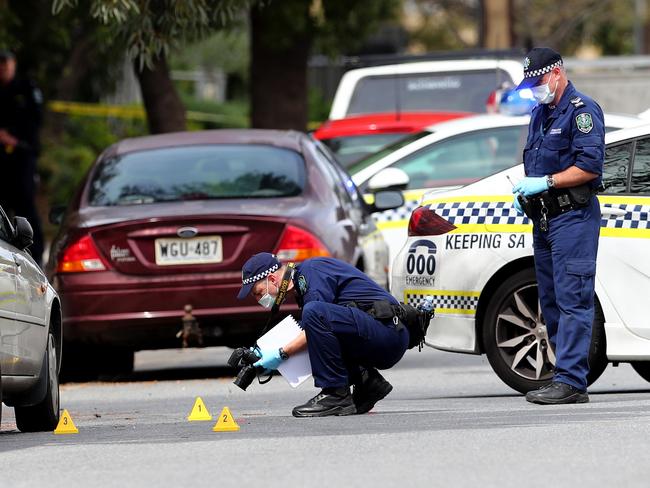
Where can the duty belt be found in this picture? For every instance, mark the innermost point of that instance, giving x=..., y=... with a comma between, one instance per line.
x=553, y=202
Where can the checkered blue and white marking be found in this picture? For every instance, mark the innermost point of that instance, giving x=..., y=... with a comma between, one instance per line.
x=499, y=213
x=398, y=214
x=459, y=213
x=453, y=302
x=257, y=277
x=637, y=217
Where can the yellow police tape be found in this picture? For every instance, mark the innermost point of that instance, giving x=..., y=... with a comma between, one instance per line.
x=125, y=111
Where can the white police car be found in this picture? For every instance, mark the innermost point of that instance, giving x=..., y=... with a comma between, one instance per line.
x=471, y=250
x=446, y=155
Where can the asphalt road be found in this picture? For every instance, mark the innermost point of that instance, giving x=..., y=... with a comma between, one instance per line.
x=448, y=422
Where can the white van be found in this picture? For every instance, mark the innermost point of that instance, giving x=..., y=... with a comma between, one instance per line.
x=458, y=85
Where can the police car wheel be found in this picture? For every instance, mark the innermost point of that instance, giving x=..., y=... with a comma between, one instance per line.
x=515, y=338
x=643, y=368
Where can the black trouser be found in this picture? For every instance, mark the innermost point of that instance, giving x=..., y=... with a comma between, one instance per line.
x=18, y=194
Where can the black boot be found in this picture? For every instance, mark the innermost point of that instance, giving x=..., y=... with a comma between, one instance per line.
x=557, y=394
x=373, y=387
x=330, y=401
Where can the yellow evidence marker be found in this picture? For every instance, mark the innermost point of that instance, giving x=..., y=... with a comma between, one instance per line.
x=199, y=411
x=226, y=422
x=66, y=425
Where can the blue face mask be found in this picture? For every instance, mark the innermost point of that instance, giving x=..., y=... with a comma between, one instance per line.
x=267, y=299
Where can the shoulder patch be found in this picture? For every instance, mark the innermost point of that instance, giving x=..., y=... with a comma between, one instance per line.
x=584, y=122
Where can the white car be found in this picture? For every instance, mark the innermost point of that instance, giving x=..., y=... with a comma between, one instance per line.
x=471, y=250
x=453, y=85
x=445, y=156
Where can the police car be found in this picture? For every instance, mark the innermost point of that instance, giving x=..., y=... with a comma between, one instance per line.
x=472, y=251
x=446, y=155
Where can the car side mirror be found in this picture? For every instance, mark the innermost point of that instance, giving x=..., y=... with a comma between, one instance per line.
x=389, y=178
x=23, y=234
x=56, y=214
x=386, y=200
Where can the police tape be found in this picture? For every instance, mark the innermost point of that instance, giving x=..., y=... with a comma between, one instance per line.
x=132, y=112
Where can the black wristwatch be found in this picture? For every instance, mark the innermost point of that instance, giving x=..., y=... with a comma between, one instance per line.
x=550, y=181
x=283, y=355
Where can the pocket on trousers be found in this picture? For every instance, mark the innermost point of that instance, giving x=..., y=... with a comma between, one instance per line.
x=585, y=271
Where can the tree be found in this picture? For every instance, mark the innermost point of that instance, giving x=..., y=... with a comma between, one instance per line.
x=149, y=31
x=496, y=27
x=283, y=35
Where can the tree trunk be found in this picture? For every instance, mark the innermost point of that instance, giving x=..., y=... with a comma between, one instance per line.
x=279, y=66
x=497, y=25
x=165, y=111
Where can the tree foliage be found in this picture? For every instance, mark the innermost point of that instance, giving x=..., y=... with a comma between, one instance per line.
x=150, y=30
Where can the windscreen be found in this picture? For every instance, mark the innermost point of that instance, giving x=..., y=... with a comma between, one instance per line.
x=385, y=151
x=349, y=149
x=197, y=173
x=460, y=91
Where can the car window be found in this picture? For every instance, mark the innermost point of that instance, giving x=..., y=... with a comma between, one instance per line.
x=465, y=158
x=462, y=91
x=616, y=167
x=197, y=173
x=640, y=182
x=350, y=149
x=382, y=153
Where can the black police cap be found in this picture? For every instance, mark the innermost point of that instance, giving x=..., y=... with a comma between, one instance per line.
x=538, y=62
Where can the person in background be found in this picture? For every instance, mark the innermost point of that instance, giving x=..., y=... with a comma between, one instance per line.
x=20, y=120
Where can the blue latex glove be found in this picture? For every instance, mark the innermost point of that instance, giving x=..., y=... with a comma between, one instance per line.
x=269, y=358
x=531, y=185
x=517, y=205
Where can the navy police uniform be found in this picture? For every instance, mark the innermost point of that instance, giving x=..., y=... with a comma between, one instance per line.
x=570, y=134
x=351, y=330
x=20, y=115
x=342, y=339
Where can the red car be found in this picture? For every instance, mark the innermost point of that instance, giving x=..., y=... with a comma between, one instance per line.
x=164, y=221
x=358, y=136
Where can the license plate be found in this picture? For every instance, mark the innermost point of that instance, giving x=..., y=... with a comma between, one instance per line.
x=197, y=250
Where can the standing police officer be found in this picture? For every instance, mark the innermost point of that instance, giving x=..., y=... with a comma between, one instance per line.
x=20, y=120
x=563, y=161
x=346, y=344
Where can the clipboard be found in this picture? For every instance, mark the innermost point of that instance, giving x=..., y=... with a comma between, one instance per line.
x=297, y=368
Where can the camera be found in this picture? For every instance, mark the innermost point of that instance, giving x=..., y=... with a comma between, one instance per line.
x=244, y=358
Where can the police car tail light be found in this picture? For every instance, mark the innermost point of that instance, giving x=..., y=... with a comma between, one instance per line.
x=81, y=256
x=298, y=244
x=426, y=222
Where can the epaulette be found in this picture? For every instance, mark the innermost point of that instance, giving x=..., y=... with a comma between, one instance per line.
x=577, y=102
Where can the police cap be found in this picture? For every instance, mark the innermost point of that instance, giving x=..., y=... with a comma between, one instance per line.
x=538, y=62
x=258, y=267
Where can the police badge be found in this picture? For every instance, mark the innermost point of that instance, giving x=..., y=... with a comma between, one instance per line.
x=584, y=123
x=526, y=63
x=302, y=284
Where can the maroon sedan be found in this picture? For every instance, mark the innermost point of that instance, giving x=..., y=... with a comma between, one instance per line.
x=166, y=221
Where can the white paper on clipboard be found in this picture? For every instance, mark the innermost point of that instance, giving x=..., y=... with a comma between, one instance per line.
x=297, y=368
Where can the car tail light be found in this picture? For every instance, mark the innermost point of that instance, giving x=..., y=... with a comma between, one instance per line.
x=298, y=244
x=426, y=222
x=81, y=256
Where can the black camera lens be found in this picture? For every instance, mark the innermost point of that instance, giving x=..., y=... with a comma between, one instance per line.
x=245, y=377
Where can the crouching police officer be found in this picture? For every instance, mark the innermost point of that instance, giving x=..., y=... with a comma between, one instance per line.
x=346, y=345
x=563, y=161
